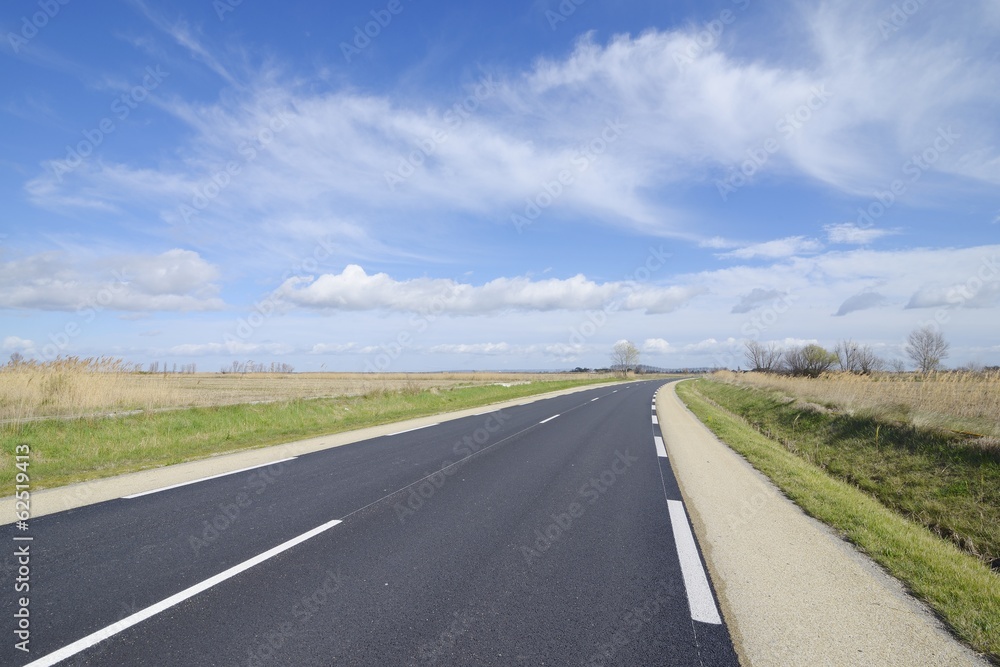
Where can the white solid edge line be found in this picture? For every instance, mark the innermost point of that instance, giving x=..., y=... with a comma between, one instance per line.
x=415, y=428
x=699, y=593
x=177, y=598
x=549, y=419
x=661, y=451
x=655, y=420
x=205, y=479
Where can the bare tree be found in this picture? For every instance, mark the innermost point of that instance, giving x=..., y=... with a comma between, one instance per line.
x=855, y=358
x=926, y=347
x=624, y=357
x=760, y=357
x=810, y=360
x=868, y=361
x=847, y=355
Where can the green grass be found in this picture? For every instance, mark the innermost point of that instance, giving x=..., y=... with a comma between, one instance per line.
x=934, y=477
x=64, y=451
x=831, y=466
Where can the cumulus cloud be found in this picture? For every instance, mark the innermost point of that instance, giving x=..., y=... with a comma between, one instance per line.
x=656, y=346
x=354, y=289
x=176, y=280
x=17, y=344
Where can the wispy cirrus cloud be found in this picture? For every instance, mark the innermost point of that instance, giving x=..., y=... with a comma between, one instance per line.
x=679, y=126
x=776, y=249
x=851, y=233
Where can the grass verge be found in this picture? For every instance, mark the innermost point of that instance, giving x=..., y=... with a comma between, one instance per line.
x=960, y=588
x=66, y=451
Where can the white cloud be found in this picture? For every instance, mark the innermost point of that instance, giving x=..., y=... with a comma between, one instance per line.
x=473, y=348
x=336, y=348
x=851, y=233
x=656, y=346
x=776, y=249
x=231, y=347
x=971, y=294
x=688, y=125
x=862, y=301
x=16, y=344
x=177, y=280
x=756, y=298
x=354, y=289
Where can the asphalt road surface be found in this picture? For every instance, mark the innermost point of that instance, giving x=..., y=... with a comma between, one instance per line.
x=551, y=533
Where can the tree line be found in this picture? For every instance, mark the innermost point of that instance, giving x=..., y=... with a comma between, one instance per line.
x=925, y=346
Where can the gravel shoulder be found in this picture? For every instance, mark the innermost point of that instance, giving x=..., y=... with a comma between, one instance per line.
x=791, y=590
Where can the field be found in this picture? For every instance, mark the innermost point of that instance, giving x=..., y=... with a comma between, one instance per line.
x=85, y=419
x=99, y=387
x=960, y=401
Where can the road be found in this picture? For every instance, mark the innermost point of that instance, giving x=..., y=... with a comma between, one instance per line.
x=551, y=533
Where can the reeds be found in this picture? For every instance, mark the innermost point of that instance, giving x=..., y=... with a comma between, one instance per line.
x=958, y=400
x=74, y=387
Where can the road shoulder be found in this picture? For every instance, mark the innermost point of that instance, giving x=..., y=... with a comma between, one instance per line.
x=792, y=591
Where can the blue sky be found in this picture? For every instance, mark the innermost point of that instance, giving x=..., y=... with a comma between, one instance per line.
x=402, y=186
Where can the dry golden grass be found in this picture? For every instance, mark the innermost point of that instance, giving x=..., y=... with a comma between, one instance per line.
x=77, y=387
x=963, y=401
